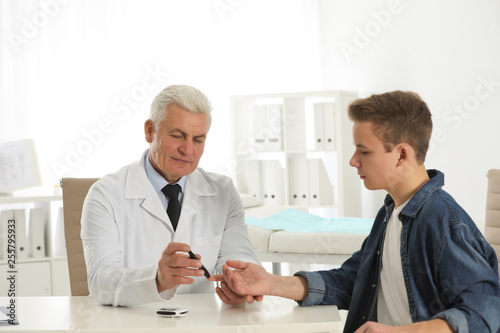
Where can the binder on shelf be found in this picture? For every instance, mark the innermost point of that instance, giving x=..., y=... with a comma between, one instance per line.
x=298, y=182
x=18, y=228
x=295, y=136
x=260, y=133
x=267, y=127
x=329, y=125
x=21, y=236
x=274, y=120
x=324, y=126
x=319, y=126
x=320, y=188
x=36, y=234
x=272, y=182
x=59, y=240
x=253, y=177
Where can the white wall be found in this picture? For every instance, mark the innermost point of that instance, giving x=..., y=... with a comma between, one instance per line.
x=71, y=75
x=448, y=52
x=82, y=81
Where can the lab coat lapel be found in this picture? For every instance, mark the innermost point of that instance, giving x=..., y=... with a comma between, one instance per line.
x=138, y=186
x=197, y=188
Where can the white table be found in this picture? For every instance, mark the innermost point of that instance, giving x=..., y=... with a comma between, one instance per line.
x=206, y=314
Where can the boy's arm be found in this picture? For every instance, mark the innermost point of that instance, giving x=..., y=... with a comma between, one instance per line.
x=469, y=281
x=245, y=278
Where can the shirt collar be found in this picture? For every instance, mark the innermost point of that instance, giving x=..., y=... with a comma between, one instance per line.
x=435, y=182
x=156, y=179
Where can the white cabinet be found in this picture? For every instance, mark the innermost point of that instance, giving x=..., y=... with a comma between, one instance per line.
x=40, y=266
x=60, y=277
x=31, y=278
x=294, y=149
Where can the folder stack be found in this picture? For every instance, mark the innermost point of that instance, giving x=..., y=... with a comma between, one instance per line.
x=324, y=126
x=267, y=127
x=36, y=234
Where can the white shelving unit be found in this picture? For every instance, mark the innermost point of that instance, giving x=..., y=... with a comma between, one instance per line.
x=294, y=149
x=38, y=274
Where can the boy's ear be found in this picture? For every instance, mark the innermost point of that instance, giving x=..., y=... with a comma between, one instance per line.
x=405, y=151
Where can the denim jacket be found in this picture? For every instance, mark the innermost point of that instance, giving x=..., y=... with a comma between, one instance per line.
x=450, y=271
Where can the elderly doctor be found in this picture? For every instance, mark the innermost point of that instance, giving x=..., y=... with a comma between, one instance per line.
x=133, y=251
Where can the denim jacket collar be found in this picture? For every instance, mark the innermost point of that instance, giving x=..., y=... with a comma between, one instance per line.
x=436, y=181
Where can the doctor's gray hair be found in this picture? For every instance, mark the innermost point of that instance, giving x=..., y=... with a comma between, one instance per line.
x=187, y=97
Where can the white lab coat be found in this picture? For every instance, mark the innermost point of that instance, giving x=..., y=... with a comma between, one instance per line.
x=125, y=229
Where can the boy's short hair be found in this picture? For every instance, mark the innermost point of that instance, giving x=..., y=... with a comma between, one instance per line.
x=398, y=117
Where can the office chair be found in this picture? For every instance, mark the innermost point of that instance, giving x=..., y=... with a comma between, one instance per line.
x=492, y=220
x=74, y=192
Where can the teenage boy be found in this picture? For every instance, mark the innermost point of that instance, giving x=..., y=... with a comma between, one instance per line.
x=424, y=267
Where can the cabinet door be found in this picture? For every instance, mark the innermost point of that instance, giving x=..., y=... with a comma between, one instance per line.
x=60, y=275
x=31, y=279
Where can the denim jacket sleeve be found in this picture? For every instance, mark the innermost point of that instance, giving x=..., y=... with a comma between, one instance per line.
x=468, y=275
x=333, y=286
x=348, y=284
x=315, y=288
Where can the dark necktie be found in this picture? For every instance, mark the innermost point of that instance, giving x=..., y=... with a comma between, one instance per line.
x=174, y=206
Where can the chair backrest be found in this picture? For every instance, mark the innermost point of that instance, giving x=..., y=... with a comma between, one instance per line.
x=492, y=220
x=74, y=192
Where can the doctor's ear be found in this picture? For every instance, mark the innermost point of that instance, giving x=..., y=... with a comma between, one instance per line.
x=149, y=130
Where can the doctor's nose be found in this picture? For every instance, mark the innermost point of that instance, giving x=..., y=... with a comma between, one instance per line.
x=186, y=148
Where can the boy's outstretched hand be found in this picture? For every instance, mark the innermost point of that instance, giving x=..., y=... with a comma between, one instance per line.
x=242, y=283
x=252, y=282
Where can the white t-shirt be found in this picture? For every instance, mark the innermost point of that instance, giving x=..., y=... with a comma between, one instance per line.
x=392, y=303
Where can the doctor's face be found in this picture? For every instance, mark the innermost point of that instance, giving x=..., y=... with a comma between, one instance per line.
x=177, y=144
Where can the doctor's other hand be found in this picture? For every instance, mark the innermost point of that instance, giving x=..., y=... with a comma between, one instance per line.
x=175, y=267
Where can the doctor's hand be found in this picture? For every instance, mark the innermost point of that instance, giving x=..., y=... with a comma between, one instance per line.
x=175, y=267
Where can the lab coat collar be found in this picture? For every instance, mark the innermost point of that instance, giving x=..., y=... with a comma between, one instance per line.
x=138, y=186
x=197, y=188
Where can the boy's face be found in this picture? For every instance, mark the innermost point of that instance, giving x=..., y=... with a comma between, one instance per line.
x=376, y=166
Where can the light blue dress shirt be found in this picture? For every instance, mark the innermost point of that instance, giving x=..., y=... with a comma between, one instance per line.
x=159, y=182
